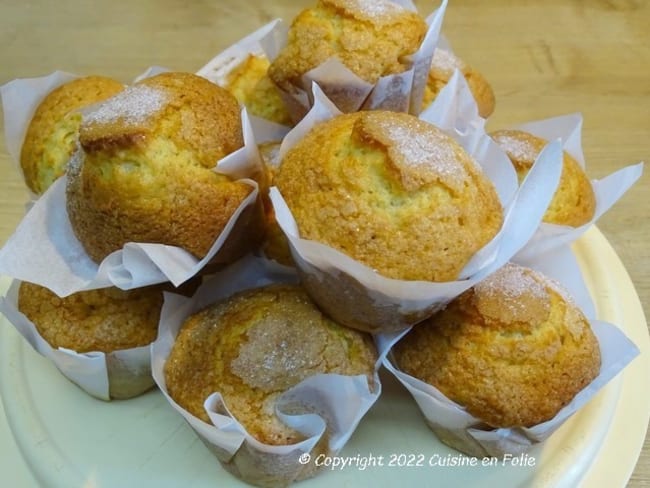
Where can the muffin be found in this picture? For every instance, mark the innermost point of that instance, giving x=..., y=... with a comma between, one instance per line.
x=371, y=39
x=145, y=172
x=51, y=137
x=107, y=320
x=574, y=202
x=392, y=192
x=252, y=348
x=251, y=86
x=442, y=68
x=512, y=351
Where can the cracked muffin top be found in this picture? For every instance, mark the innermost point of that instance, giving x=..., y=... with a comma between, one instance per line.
x=254, y=346
x=371, y=38
x=512, y=351
x=145, y=171
x=392, y=192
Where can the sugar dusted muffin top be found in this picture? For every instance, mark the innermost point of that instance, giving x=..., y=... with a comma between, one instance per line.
x=392, y=192
x=146, y=170
x=51, y=137
x=512, y=351
x=371, y=38
x=574, y=202
x=253, y=347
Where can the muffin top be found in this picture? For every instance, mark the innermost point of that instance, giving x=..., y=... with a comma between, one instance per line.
x=105, y=320
x=371, y=38
x=392, y=192
x=146, y=170
x=442, y=68
x=512, y=351
x=178, y=106
x=256, y=345
x=52, y=134
x=574, y=202
x=251, y=86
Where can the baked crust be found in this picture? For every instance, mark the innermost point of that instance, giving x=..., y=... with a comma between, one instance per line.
x=512, y=351
x=371, y=38
x=52, y=134
x=254, y=346
x=146, y=170
x=392, y=192
x=574, y=202
x=105, y=320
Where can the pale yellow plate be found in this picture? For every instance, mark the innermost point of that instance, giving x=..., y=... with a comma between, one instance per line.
x=53, y=434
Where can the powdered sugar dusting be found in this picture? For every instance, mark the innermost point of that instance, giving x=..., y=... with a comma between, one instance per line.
x=517, y=148
x=558, y=288
x=133, y=105
x=429, y=150
x=373, y=9
x=513, y=281
x=446, y=61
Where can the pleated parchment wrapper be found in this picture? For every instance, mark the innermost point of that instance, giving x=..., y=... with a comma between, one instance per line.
x=329, y=402
x=355, y=295
x=457, y=428
x=45, y=251
x=608, y=190
x=121, y=374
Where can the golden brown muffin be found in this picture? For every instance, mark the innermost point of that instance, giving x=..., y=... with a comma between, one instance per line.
x=146, y=170
x=574, y=202
x=442, y=68
x=371, y=38
x=512, y=351
x=252, y=87
x=52, y=134
x=392, y=192
x=105, y=320
x=253, y=347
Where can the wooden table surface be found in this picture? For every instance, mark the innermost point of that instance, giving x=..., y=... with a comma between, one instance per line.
x=543, y=58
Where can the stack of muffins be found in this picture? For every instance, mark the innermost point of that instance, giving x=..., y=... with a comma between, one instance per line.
x=384, y=189
x=139, y=167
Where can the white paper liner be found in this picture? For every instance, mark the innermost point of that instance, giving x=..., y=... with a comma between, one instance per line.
x=357, y=296
x=122, y=374
x=468, y=434
x=44, y=239
x=402, y=91
x=327, y=400
x=264, y=42
x=607, y=190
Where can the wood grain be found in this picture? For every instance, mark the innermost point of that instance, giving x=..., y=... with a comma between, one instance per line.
x=543, y=58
